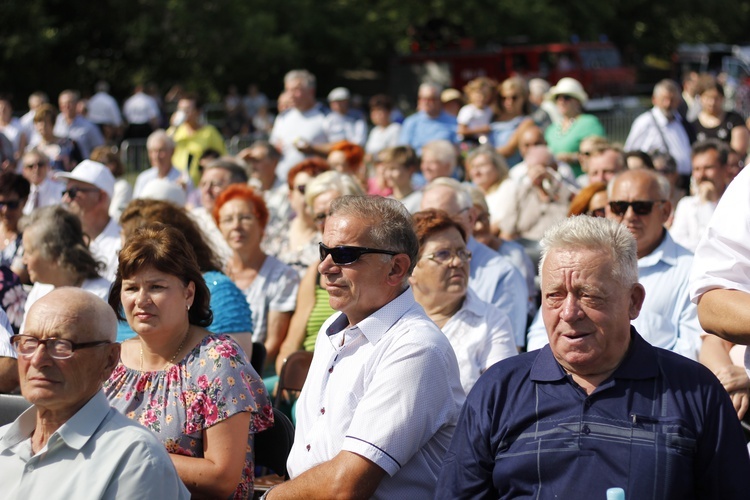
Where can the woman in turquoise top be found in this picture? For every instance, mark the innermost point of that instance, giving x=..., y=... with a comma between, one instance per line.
x=231, y=312
x=564, y=137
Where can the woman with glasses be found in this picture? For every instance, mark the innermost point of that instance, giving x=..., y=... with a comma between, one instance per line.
x=14, y=190
x=269, y=285
x=195, y=390
x=564, y=137
x=511, y=118
x=56, y=253
x=479, y=333
x=312, y=300
x=298, y=246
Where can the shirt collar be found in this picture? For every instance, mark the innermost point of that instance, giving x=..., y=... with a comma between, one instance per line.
x=666, y=252
x=378, y=323
x=75, y=432
x=639, y=363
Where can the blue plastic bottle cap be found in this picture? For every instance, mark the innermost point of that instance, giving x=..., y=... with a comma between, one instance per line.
x=615, y=494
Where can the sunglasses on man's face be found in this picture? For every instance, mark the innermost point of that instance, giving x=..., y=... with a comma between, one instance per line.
x=344, y=255
x=639, y=207
x=73, y=192
x=10, y=205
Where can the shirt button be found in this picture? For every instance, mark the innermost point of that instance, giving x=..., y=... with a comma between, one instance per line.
x=308, y=447
x=586, y=430
x=330, y=370
x=322, y=411
x=30, y=467
x=587, y=403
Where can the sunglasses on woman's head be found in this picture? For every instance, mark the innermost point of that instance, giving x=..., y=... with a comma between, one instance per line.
x=344, y=255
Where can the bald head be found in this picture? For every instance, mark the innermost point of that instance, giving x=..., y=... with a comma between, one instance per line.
x=60, y=386
x=95, y=319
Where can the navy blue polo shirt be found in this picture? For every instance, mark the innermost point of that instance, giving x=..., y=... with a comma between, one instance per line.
x=661, y=426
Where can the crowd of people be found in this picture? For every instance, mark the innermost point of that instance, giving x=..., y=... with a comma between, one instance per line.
x=496, y=294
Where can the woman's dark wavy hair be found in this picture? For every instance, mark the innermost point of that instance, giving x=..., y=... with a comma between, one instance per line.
x=165, y=249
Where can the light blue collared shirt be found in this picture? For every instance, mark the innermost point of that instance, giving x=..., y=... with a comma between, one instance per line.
x=97, y=453
x=495, y=280
x=419, y=129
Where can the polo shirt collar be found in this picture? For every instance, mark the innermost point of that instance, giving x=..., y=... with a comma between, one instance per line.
x=639, y=363
x=375, y=326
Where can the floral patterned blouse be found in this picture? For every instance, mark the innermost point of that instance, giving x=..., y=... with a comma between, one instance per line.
x=212, y=383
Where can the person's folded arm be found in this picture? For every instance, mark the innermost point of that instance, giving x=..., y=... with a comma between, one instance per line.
x=347, y=475
x=726, y=313
x=218, y=473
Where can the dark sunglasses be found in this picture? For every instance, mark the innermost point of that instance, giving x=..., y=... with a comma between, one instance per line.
x=639, y=207
x=73, y=192
x=344, y=255
x=10, y=205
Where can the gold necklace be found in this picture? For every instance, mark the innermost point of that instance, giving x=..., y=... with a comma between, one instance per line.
x=171, y=361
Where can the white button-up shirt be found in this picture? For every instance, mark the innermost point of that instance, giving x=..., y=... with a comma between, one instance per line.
x=387, y=389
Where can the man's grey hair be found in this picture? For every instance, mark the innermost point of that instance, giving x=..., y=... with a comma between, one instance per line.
x=444, y=151
x=662, y=183
x=432, y=87
x=307, y=78
x=159, y=136
x=237, y=172
x=343, y=184
x=463, y=197
x=666, y=85
x=388, y=222
x=599, y=234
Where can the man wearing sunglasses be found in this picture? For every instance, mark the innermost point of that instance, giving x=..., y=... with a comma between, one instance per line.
x=71, y=443
x=639, y=200
x=88, y=191
x=383, y=392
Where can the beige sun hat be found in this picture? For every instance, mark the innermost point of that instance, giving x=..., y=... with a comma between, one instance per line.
x=571, y=87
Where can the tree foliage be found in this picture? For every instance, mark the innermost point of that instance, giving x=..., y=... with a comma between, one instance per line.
x=208, y=44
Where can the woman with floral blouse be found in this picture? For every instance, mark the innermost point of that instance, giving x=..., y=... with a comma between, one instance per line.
x=195, y=390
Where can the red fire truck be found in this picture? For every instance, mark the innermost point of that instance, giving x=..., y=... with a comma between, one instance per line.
x=597, y=65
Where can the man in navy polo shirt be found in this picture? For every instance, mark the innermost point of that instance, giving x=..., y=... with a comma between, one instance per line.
x=598, y=407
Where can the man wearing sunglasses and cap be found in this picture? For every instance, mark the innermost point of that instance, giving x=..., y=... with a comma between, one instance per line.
x=383, y=393
x=639, y=200
x=88, y=191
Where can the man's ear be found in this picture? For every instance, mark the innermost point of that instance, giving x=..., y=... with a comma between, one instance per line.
x=400, y=264
x=637, y=295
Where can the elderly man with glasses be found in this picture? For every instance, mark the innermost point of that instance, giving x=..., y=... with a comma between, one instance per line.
x=639, y=199
x=70, y=443
x=383, y=391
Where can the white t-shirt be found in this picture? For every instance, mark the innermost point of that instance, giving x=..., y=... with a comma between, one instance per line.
x=473, y=117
